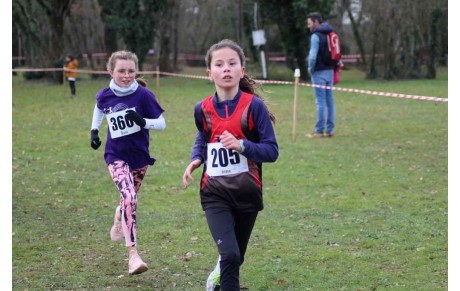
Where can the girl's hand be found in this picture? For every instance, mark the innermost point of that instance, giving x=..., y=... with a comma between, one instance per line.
x=95, y=141
x=135, y=117
x=230, y=142
x=189, y=170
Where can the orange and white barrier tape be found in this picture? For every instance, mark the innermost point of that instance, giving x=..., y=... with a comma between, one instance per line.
x=39, y=70
x=386, y=94
x=87, y=71
x=184, y=76
x=345, y=58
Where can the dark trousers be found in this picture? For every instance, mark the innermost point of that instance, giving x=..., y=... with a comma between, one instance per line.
x=72, y=87
x=231, y=231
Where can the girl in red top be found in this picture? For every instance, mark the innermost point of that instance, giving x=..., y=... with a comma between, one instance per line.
x=235, y=136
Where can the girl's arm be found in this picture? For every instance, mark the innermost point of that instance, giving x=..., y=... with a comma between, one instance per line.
x=199, y=146
x=188, y=172
x=152, y=112
x=197, y=156
x=155, y=124
x=98, y=115
x=196, y=160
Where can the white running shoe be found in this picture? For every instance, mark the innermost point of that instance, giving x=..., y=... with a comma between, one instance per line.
x=136, y=265
x=116, y=232
x=214, y=278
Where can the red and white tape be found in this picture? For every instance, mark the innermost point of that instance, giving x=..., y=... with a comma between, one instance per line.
x=386, y=94
x=275, y=82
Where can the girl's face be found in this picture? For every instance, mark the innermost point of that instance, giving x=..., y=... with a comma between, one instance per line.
x=124, y=73
x=226, y=70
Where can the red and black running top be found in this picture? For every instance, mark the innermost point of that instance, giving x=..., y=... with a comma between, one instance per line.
x=241, y=117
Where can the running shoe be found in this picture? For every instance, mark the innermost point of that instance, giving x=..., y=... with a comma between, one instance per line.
x=314, y=134
x=116, y=232
x=136, y=265
x=329, y=134
x=212, y=284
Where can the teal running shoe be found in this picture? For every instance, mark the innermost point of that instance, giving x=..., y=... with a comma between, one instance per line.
x=212, y=284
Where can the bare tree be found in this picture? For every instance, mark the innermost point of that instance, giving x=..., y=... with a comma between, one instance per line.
x=135, y=22
x=355, y=24
x=85, y=30
x=57, y=11
x=240, y=30
x=408, y=35
x=45, y=33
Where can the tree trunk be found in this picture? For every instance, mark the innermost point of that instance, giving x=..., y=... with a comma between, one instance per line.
x=176, y=35
x=357, y=35
x=372, y=74
x=301, y=63
x=444, y=39
x=433, y=40
x=110, y=39
x=413, y=61
x=240, y=24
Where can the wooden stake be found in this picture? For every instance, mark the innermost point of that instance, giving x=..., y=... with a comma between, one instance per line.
x=63, y=80
x=296, y=93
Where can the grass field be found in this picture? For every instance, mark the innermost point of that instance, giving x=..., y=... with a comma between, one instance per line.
x=365, y=210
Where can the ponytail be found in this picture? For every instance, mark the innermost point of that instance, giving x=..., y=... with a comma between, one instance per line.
x=249, y=85
x=141, y=81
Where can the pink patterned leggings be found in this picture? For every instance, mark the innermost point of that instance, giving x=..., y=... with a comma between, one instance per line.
x=128, y=183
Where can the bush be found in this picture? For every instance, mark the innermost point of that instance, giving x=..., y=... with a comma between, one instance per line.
x=33, y=75
x=58, y=76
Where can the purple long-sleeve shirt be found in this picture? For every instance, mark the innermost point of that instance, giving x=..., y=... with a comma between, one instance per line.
x=265, y=150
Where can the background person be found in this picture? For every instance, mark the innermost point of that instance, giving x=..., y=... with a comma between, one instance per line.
x=72, y=64
x=235, y=136
x=131, y=111
x=321, y=68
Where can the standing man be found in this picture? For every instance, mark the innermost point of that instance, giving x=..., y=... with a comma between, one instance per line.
x=321, y=69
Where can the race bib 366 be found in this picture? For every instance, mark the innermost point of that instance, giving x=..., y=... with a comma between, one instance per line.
x=118, y=126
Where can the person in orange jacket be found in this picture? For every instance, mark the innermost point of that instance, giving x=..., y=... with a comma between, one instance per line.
x=72, y=64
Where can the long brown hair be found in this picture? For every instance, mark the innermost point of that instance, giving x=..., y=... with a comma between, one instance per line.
x=247, y=84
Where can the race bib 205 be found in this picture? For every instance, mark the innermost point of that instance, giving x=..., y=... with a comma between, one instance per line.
x=222, y=161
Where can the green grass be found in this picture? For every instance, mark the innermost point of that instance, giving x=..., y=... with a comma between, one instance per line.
x=365, y=210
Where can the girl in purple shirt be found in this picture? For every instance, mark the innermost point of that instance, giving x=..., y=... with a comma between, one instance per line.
x=131, y=111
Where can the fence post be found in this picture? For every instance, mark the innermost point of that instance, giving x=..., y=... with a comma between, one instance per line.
x=63, y=79
x=296, y=94
x=158, y=84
